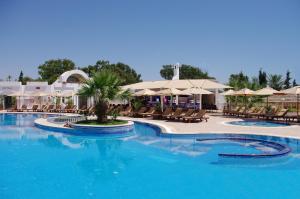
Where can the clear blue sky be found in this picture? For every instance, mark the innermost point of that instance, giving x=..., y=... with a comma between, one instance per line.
x=222, y=37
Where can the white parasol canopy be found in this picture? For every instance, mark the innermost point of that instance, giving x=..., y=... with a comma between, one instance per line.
x=197, y=91
x=267, y=91
x=229, y=93
x=145, y=92
x=244, y=92
x=171, y=91
x=178, y=84
x=294, y=91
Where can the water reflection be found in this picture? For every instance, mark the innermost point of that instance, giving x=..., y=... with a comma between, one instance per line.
x=109, y=161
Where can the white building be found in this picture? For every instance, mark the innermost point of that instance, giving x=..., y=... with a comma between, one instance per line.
x=67, y=85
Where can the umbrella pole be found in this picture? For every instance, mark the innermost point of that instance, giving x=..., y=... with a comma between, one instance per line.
x=161, y=103
x=195, y=102
x=267, y=101
x=297, y=108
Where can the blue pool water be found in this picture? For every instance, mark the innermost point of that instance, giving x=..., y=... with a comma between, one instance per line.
x=258, y=123
x=36, y=164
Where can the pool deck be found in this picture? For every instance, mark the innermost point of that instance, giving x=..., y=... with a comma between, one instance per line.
x=215, y=124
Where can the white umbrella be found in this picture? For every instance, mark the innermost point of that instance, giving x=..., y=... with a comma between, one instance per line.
x=198, y=91
x=145, y=92
x=268, y=91
x=294, y=91
x=15, y=94
x=171, y=91
x=36, y=94
x=245, y=92
x=63, y=94
x=229, y=93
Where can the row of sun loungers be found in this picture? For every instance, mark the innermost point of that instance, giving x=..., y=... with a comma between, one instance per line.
x=180, y=114
x=260, y=113
x=45, y=108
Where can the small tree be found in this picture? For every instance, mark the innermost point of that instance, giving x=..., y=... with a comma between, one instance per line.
x=262, y=78
x=295, y=83
x=275, y=81
x=104, y=86
x=52, y=69
x=287, y=81
x=21, y=76
x=186, y=72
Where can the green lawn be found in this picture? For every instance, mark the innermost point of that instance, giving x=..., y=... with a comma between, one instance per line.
x=108, y=123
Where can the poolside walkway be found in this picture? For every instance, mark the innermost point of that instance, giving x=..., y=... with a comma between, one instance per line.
x=216, y=124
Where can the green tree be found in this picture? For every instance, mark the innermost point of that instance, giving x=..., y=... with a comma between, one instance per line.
x=262, y=78
x=275, y=81
x=28, y=79
x=287, y=81
x=167, y=72
x=52, y=69
x=92, y=69
x=21, y=76
x=127, y=74
x=103, y=86
x=295, y=83
x=186, y=72
x=239, y=81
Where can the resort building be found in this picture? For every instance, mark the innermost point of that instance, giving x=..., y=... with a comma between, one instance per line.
x=64, y=90
x=66, y=86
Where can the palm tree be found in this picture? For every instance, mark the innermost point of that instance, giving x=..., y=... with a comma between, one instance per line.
x=103, y=86
x=275, y=81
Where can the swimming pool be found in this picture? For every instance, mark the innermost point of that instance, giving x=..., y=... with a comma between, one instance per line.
x=36, y=163
x=258, y=123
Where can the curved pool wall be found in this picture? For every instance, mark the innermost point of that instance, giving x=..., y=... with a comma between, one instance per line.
x=280, y=149
x=258, y=123
x=159, y=131
x=105, y=130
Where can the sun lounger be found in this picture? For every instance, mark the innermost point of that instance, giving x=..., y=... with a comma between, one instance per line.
x=258, y=112
x=234, y=111
x=241, y=111
x=34, y=108
x=23, y=108
x=170, y=116
x=271, y=113
x=291, y=117
x=159, y=115
x=249, y=111
x=187, y=113
x=200, y=115
x=72, y=109
x=226, y=110
x=127, y=111
x=280, y=114
x=13, y=109
x=138, y=113
x=148, y=113
x=48, y=108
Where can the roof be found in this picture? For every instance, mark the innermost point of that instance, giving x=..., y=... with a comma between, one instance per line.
x=178, y=84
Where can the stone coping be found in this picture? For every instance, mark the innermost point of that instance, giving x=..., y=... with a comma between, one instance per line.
x=215, y=125
x=130, y=123
x=281, y=149
x=255, y=120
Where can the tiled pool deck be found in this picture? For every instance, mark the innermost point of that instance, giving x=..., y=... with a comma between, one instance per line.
x=216, y=124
